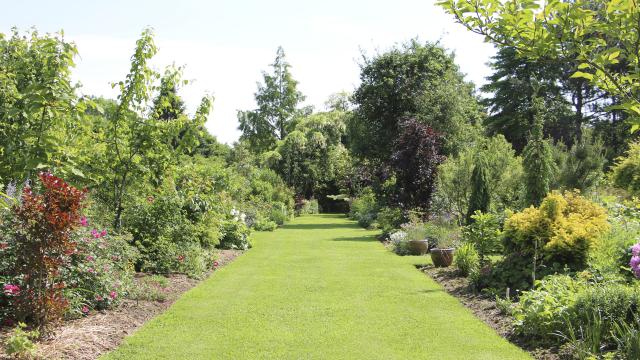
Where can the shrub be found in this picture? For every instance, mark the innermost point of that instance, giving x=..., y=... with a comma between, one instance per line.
x=544, y=311
x=19, y=343
x=235, y=235
x=278, y=213
x=625, y=174
x=100, y=272
x=560, y=231
x=615, y=303
x=398, y=242
x=44, y=224
x=364, y=208
x=504, y=177
x=389, y=219
x=484, y=233
x=309, y=207
x=467, y=260
x=538, y=160
x=265, y=225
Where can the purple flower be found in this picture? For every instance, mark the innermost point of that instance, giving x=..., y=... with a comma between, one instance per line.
x=95, y=233
x=634, y=262
x=635, y=249
x=83, y=221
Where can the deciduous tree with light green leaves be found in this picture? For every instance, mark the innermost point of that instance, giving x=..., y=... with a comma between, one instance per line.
x=601, y=36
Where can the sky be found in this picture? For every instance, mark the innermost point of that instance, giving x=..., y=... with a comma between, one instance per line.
x=225, y=45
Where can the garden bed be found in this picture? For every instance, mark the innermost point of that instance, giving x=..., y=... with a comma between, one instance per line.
x=102, y=331
x=485, y=308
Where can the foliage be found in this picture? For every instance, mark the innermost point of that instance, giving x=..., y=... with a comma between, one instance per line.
x=364, y=208
x=40, y=114
x=150, y=288
x=398, y=242
x=504, y=177
x=415, y=159
x=19, y=343
x=277, y=99
x=309, y=207
x=538, y=163
x=484, y=233
x=561, y=230
x=467, y=260
x=389, y=219
x=44, y=225
x=583, y=168
x=100, y=271
x=312, y=158
x=235, y=235
x=600, y=37
x=543, y=311
x=480, y=197
x=410, y=81
x=625, y=173
x=513, y=87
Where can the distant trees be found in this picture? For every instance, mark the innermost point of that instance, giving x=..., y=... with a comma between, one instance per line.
x=412, y=80
x=277, y=101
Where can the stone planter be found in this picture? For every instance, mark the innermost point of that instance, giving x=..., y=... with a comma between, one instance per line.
x=418, y=247
x=442, y=257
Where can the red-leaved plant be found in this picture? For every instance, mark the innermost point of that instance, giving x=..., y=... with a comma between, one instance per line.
x=45, y=222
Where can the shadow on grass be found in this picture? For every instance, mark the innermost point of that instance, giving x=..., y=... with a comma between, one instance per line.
x=357, y=238
x=320, y=226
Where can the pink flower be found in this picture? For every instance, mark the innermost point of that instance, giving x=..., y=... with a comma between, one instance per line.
x=11, y=289
x=83, y=221
x=113, y=295
x=95, y=233
x=103, y=233
x=3, y=245
x=90, y=258
x=91, y=270
x=99, y=298
x=85, y=309
x=215, y=264
x=180, y=258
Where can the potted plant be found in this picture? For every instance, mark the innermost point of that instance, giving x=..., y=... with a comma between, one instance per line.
x=417, y=243
x=442, y=253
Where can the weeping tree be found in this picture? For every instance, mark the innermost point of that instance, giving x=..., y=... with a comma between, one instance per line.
x=538, y=160
x=480, y=196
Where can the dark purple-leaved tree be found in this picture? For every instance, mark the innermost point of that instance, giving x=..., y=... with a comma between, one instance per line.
x=415, y=159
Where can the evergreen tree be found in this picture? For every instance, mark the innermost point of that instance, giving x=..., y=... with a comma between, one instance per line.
x=513, y=85
x=480, y=197
x=538, y=160
x=277, y=99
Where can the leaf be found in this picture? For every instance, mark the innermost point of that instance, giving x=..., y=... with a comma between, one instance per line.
x=580, y=74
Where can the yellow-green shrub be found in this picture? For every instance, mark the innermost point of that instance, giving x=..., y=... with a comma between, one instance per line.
x=625, y=174
x=564, y=228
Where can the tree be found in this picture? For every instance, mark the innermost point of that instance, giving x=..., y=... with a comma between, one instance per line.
x=413, y=80
x=131, y=136
x=41, y=124
x=277, y=99
x=538, y=160
x=312, y=158
x=480, y=197
x=415, y=160
x=168, y=105
x=600, y=36
x=512, y=86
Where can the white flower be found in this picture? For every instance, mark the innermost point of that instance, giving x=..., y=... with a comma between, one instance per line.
x=243, y=216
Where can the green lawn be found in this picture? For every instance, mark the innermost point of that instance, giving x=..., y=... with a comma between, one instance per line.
x=318, y=288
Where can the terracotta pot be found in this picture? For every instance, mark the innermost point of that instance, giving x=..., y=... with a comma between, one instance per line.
x=442, y=257
x=418, y=247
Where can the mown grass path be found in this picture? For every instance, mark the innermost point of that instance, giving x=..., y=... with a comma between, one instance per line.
x=318, y=288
